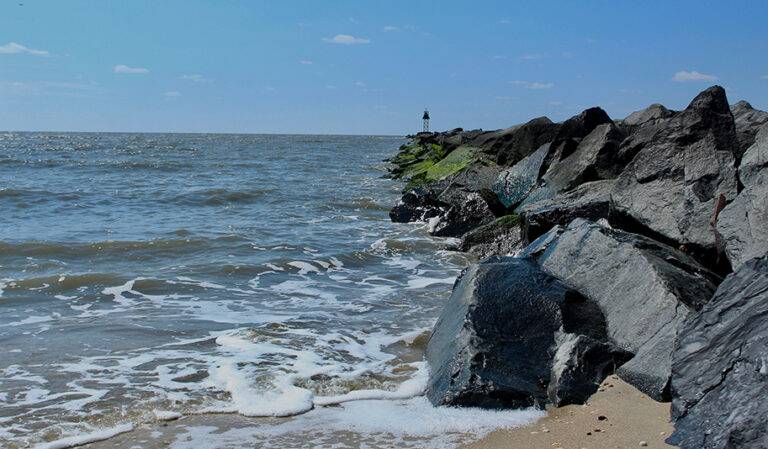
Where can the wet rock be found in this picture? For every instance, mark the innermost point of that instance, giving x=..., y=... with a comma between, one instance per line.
x=589, y=201
x=419, y=204
x=743, y=224
x=571, y=132
x=720, y=369
x=467, y=211
x=514, y=184
x=497, y=238
x=645, y=289
x=511, y=145
x=494, y=343
x=683, y=165
x=579, y=366
x=748, y=122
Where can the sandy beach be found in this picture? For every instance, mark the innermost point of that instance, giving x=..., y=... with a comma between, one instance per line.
x=617, y=417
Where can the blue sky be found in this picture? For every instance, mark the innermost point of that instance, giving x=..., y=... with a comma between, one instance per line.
x=362, y=66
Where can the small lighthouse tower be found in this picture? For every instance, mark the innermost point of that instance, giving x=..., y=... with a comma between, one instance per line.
x=425, y=119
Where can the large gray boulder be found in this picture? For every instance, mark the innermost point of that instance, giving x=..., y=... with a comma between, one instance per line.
x=743, y=224
x=748, y=122
x=645, y=290
x=682, y=166
x=511, y=145
x=651, y=114
x=497, y=238
x=495, y=342
x=720, y=369
x=514, y=184
x=571, y=132
x=589, y=201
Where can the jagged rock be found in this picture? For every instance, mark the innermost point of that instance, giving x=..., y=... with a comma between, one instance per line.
x=645, y=289
x=720, y=369
x=514, y=184
x=595, y=158
x=579, y=365
x=743, y=224
x=651, y=114
x=497, y=238
x=511, y=145
x=494, y=343
x=418, y=204
x=571, y=132
x=748, y=122
x=683, y=165
x=589, y=201
x=467, y=211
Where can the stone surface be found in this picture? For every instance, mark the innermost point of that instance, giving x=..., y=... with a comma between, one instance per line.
x=644, y=289
x=418, y=204
x=720, y=370
x=683, y=164
x=748, y=122
x=497, y=238
x=589, y=201
x=743, y=224
x=494, y=343
x=467, y=211
x=514, y=184
x=651, y=114
x=579, y=365
x=511, y=145
x=571, y=132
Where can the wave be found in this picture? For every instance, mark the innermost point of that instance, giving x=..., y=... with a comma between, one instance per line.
x=219, y=197
x=23, y=197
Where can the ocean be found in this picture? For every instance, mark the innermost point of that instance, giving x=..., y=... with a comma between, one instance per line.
x=250, y=290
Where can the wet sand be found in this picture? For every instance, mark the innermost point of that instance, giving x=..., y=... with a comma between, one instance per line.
x=618, y=416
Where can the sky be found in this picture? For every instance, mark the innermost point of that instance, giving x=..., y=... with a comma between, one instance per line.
x=365, y=67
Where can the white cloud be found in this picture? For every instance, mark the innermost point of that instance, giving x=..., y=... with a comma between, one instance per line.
x=306, y=62
x=765, y=77
x=360, y=84
x=533, y=85
x=684, y=76
x=196, y=78
x=391, y=28
x=12, y=48
x=131, y=70
x=346, y=39
x=172, y=94
x=330, y=87
x=531, y=57
x=504, y=22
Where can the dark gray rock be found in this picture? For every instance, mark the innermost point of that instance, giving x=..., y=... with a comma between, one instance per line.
x=645, y=289
x=589, y=201
x=418, y=204
x=571, y=132
x=497, y=238
x=651, y=114
x=579, y=365
x=514, y=184
x=494, y=343
x=594, y=158
x=748, y=122
x=467, y=211
x=683, y=165
x=511, y=145
x=743, y=224
x=720, y=369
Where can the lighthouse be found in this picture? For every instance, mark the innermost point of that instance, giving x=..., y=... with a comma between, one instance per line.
x=425, y=120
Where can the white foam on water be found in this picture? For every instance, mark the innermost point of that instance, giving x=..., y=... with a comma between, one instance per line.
x=432, y=223
x=304, y=267
x=166, y=415
x=92, y=437
x=421, y=282
x=117, y=293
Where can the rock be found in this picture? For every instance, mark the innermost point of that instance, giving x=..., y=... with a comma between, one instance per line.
x=589, y=201
x=579, y=366
x=683, y=165
x=418, y=204
x=645, y=289
x=514, y=184
x=743, y=224
x=651, y=114
x=594, y=158
x=720, y=369
x=494, y=343
x=748, y=122
x=571, y=132
x=497, y=238
x=467, y=211
x=511, y=145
